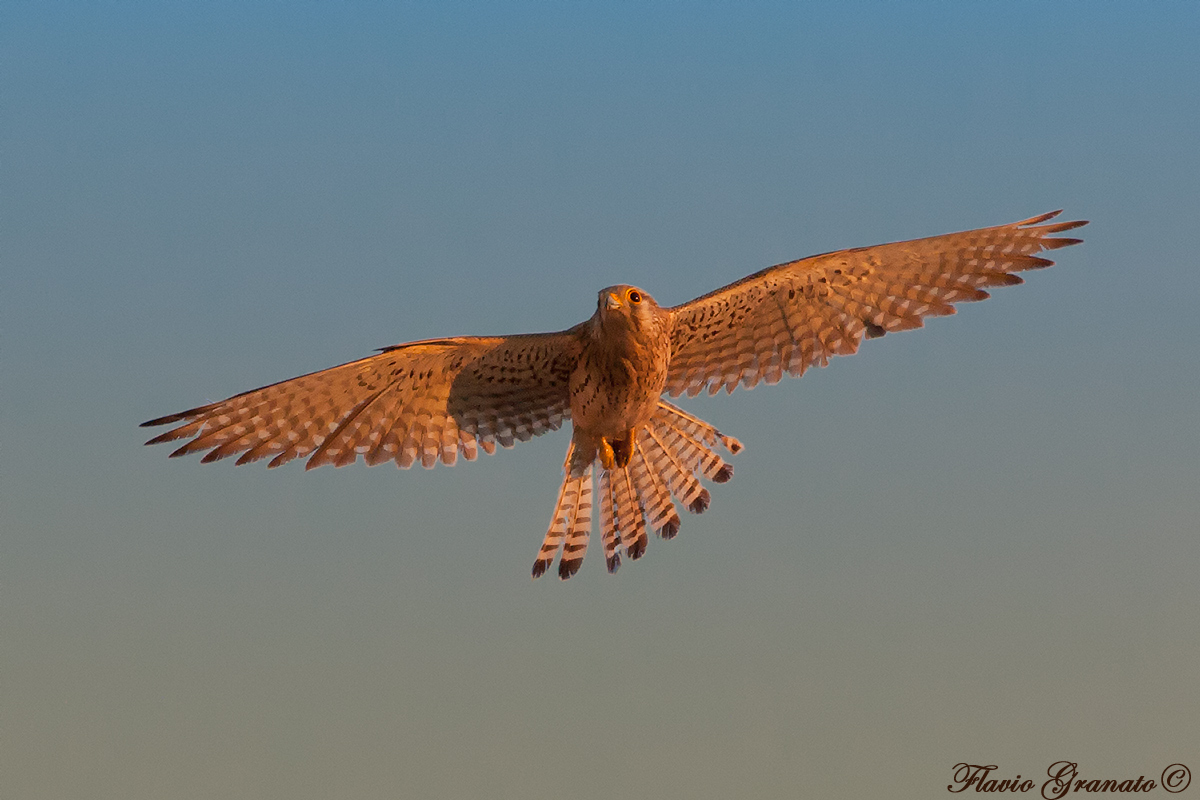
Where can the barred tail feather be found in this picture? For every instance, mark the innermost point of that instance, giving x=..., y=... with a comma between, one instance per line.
x=656, y=497
x=699, y=429
x=669, y=457
x=610, y=535
x=557, y=531
x=696, y=456
x=631, y=518
x=571, y=524
x=580, y=528
x=681, y=480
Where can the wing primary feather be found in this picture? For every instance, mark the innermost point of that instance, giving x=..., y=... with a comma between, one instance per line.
x=829, y=302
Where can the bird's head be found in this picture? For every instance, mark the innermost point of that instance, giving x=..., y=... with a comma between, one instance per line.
x=625, y=305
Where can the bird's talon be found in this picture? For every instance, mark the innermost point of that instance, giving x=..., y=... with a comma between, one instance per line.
x=606, y=454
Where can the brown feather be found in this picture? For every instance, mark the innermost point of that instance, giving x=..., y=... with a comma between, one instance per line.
x=829, y=302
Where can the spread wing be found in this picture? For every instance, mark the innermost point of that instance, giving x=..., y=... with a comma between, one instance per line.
x=422, y=401
x=789, y=317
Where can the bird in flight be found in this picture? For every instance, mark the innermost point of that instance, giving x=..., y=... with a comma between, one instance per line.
x=632, y=453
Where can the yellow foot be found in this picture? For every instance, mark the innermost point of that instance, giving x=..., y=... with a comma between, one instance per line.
x=623, y=450
x=616, y=452
x=606, y=454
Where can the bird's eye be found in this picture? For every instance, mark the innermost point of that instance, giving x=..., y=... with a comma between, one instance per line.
x=635, y=296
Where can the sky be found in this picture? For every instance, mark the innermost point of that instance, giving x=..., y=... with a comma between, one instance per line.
x=976, y=542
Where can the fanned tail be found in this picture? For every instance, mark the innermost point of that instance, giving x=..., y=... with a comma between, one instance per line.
x=670, y=455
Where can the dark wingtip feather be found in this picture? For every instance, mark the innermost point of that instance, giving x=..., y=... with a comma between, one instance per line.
x=539, y=568
x=151, y=423
x=1055, y=243
x=169, y=436
x=1039, y=218
x=215, y=455
x=873, y=331
x=613, y=563
x=723, y=474
x=700, y=504
x=567, y=568
x=182, y=416
x=1056, y=227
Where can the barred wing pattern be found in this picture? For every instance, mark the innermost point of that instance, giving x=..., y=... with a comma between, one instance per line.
x=430, y=401
x=424, y=401
x=790, y=317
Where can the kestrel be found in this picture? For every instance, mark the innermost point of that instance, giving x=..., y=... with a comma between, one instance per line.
x=428, y=401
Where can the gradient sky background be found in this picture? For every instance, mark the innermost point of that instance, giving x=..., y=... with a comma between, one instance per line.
x=975, y=542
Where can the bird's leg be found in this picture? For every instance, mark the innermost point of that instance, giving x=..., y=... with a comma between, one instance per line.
x=622, y=449
x=606, y=454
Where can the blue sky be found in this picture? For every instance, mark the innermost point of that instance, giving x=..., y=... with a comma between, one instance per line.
x=974, y=542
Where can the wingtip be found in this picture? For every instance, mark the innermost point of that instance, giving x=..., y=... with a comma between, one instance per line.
x=1040, y=218
x=167, y=420
x=162, y=437
x=1057, y=227
x=181, y=416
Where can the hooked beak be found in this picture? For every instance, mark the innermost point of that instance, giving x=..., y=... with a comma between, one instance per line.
x=613, y=302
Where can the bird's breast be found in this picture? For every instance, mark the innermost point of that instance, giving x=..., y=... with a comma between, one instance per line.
x=615, y=386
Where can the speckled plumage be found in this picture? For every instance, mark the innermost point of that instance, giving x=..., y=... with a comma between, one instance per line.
x=429, y=401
